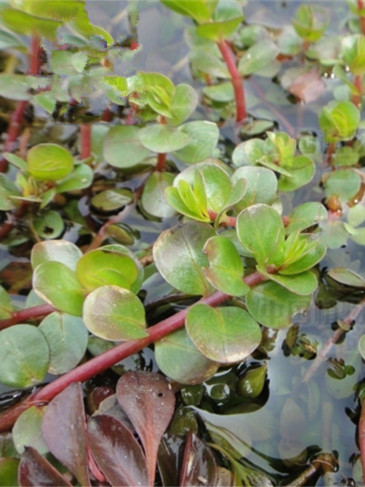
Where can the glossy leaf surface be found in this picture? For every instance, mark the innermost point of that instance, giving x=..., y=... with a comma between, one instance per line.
x=25, y=356
x=114, y=313
x=116, y=451
x=35, y=470
x=149, y=402
x=67, y=338
x=198, y=463
x=274, y=306
x=226, y=334
x=64, y=431
x=49, y=162
x=56, y=250
x=178, y=254
x=59, y=286
x=178, y=358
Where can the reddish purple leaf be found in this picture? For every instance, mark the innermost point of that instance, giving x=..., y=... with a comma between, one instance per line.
x=64, y=431
x=199, y=466
x=35, y=470
x=308, y=86
x=149, y=402
x=116, y=451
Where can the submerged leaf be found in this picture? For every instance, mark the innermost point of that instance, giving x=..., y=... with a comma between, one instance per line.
x=35, y=470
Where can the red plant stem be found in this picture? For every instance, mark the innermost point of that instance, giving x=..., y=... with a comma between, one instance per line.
x=17, y=116
x=85, y=142
x=360, y=6
x=237, y=80
x=330, y=151
x=356, y=99
x=161, y=162
x=332, y=341
x=15, y=124
x=27, y=314
x=106, y=115
x=161, y=157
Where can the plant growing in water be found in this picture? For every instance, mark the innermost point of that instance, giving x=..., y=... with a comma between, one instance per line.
x=168, y=255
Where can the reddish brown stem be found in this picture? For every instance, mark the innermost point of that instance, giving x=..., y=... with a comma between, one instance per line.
x=356, y=99
x=17, y=117
x=237, y=80
x=106, y=115
x=161, y=162
x=85, y=142
x=361, y=6
x=27, y=314
x=330, y=151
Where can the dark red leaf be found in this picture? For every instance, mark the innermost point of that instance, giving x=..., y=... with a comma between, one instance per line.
x=116, y=451
x=169, y=455
x=199, y=466
x=64, y=431
x=149, y=402
x=35, y=470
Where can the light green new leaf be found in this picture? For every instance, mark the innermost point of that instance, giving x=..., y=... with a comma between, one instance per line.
x=49, y=162
x=55, y=250
x=301, y=171
x=343, y=183
x=58, y=285
x=113, y=313
x=178, y=358
x=261, y=232
x=262, y=185
x=25, y=356
x=81, y=177
x=339, y=121
x=225, y=335
x=303, y=284
x=199, y=10
x=302, y=252
x=63, y=10
x=353, y=53
x=109, y=265
x=23, y=23
x=274, y=306
x=178, y=255
x=305, y=215
x=225, y=270
x=67, y=339
x=183, y=103
x=215, y=31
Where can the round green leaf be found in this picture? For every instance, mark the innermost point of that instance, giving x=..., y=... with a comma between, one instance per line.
x=261, y=232
x=55, y=250
x=225, y=270
x=67, y=338
x=49, y=225
x=305, y=215
x=310, y=22
x=122, y=147
x=339, y=120
x=301, y=169
x=347, y=277
x=58, y=285
x=162, y=138
x=274, y=306
x=262, y=185
x=221, y=92
x=113, y=313
x=226, y=335
x=111, y=199
x=183, y=103
x=80, y=178
x=258, y=57
x=303, y=284
x=353, y=53
x=27, y=431
x=49, y=162
x=108, y=265
x=179, y=359
x=202, y=141
x=249, y=152
x=153, y=196
x=252, y=382
x=178, y=255
x=25, y=356
x=343, y=183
